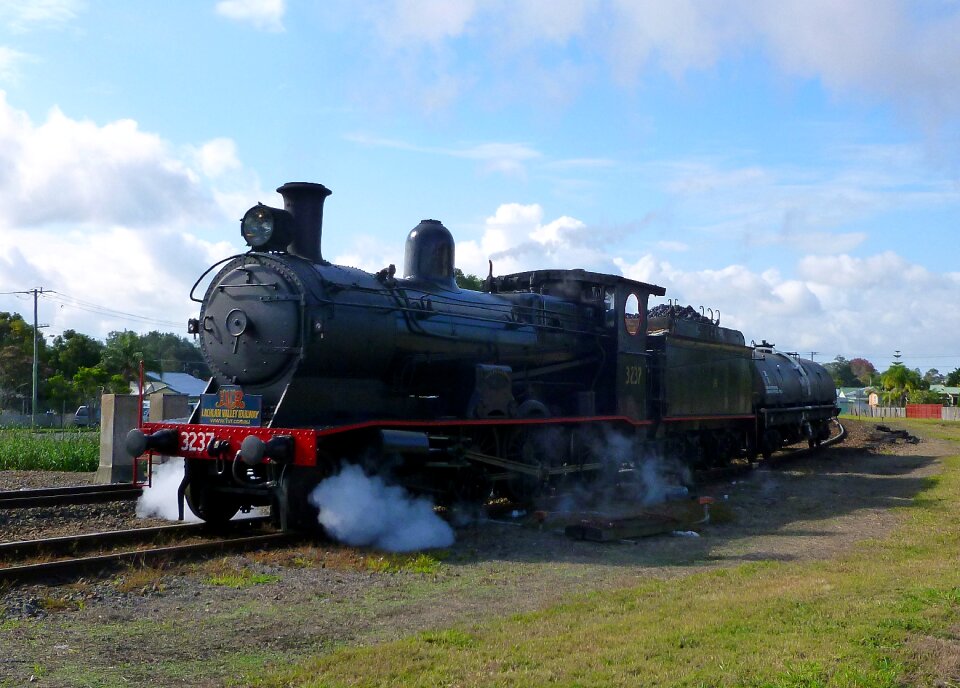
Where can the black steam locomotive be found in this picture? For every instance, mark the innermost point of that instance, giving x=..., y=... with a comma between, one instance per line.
x=458, y=393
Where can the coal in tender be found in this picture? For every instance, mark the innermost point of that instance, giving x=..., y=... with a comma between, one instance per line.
x=677, y=313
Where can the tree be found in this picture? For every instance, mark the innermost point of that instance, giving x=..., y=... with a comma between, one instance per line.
x=72, y=351
x=841, y=372
x=465, y=281
x=863, y=370
x=898, y=381
x=925, y=396
x=122, y=355
x=953, y=378
x=16, y=357
x=61, y=392
x=173, y=353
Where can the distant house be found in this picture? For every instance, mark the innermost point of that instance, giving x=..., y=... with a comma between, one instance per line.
x=171, y=383
x=952, y=393
x=857, y=400
x=853, y=399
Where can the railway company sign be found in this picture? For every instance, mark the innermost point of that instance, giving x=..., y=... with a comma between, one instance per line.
x=230, y=406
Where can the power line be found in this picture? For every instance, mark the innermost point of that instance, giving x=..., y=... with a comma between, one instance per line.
x=90, y=307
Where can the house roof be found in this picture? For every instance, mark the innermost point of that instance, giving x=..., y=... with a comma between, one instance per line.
x=181, y=383
x=943, y=389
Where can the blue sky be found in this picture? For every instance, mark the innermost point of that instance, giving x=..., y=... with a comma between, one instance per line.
x=792, y=164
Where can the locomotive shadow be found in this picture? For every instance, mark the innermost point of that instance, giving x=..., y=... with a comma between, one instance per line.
x=791, y=510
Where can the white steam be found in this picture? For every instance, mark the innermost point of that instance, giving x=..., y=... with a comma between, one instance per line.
x=363, y=511
x=160, y=499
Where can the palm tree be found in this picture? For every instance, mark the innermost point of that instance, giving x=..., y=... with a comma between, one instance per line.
x=898, y=381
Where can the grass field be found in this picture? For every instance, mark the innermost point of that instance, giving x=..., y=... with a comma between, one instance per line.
x=885, y=614
x=70, y=450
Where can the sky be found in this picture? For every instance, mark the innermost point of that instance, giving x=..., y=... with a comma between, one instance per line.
x=794, y=165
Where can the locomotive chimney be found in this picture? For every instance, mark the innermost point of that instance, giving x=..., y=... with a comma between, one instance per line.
x=304, y=200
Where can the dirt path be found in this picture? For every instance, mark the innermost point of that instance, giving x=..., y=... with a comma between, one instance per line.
x=178, y=628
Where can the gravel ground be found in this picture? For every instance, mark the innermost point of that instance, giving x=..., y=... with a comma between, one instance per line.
x=71, y=519
x=130, y=626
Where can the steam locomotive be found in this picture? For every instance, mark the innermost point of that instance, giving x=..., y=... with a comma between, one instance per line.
x=460, y=394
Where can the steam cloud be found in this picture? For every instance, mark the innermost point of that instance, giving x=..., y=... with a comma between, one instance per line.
x=361, y=510
x=160, y=500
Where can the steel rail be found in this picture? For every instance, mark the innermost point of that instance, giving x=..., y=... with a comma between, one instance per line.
x=77, y=494
x=70, y=544
x=69, y=569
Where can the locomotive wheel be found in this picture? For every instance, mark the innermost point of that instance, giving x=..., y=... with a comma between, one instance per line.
x=519, y=447
x=208, y=505
x=291, y=509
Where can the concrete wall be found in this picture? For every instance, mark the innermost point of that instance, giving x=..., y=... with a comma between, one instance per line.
x=118, y=416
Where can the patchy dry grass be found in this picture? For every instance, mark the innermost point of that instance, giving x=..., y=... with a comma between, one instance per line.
x=885, y=614
x=144, y=580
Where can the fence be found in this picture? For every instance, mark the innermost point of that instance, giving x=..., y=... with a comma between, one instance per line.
x=911, y=411
x=878, y=411
x=43, y=420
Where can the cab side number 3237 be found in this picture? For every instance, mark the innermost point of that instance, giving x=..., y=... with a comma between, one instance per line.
x=195, y=441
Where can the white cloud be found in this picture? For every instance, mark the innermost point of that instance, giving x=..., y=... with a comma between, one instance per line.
x=837, y=304
x=107, y=214
x=10, y=61
x=66, y=170
x=23, y=15
x=673, y=246
x=217, y=157
x=890, y=50
x=266, y=15
x=405, y=22
x=147, y=274
x=505, y=158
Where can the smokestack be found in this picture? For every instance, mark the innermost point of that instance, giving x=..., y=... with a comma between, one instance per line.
x=304, y=200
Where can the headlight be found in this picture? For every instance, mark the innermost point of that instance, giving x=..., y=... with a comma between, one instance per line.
x=266, y=228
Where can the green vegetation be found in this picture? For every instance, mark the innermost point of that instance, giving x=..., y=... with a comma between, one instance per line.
x=884, y=615
x=420, y=562
x=231, y=576
x=23, y=450
x=75, y=368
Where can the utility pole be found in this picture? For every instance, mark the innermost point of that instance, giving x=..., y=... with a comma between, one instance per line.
x=36, y=365
x=36, y=362
x=812, y=354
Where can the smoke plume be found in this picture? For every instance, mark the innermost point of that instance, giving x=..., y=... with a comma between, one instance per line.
x=160, y=499
x=363, y=510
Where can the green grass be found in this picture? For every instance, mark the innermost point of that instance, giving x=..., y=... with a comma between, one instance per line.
x=241, y=578
x=21, y=449
x=863, y=619
x=420, y=562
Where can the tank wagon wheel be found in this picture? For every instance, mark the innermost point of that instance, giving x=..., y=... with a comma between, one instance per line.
x=209, y=506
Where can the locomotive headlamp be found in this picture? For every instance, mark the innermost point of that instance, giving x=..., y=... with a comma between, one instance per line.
x=266, y=228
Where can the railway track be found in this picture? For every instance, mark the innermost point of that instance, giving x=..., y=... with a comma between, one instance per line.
x=240, y=536
x=79, y=494
x=784, y=455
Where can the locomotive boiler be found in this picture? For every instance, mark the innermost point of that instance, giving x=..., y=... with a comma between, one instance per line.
x=461, y=394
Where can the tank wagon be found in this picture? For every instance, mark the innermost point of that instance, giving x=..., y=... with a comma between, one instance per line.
x=460, y=394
